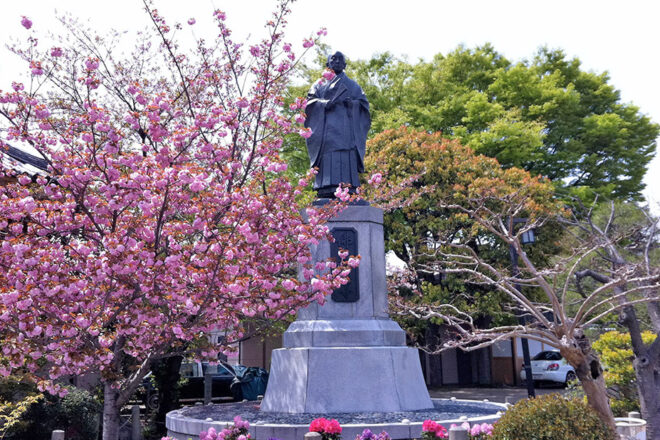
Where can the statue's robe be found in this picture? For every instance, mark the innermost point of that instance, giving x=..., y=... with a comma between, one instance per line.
x=338, y=114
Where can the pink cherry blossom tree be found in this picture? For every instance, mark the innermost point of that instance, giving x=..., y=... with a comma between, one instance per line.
x=165, y=214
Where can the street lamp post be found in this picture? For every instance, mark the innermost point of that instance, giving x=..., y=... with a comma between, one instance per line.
x=526, y=238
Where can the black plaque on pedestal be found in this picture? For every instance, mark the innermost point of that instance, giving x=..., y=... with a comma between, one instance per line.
x=346, y=238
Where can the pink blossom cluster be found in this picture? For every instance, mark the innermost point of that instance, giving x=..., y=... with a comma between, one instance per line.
x=238, y=431
x=329, y=429
x=432, y=430
x=165, y=214
x=343, y=193
x=26, y=22
x=328, y=75
x=477, y=431
x=375, y=179
x=481, y=431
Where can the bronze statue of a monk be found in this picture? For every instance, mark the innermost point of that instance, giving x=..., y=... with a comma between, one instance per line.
x=338, y=114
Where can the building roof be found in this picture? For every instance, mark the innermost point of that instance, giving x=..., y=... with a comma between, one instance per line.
x=22, y=162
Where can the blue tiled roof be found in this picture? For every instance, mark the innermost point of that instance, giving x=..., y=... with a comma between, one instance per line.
x=22, y=162
x=27, y=158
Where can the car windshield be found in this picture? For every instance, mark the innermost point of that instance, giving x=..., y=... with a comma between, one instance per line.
x=216, y=369
x=547, y=356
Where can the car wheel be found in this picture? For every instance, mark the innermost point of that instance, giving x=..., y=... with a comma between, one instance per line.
x=570, y=376
x=152, y=402
x=537, y=384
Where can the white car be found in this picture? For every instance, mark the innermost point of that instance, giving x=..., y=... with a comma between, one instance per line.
x=551, y=367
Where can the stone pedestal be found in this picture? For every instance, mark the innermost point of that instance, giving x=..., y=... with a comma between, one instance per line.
x=347, y=355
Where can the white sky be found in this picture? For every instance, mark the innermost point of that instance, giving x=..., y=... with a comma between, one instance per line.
x=619, y=37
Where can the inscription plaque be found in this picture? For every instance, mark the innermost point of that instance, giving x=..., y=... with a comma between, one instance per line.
x=346, y=238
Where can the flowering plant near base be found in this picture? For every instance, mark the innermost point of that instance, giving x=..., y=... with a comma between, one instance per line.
x=329, y=429
x=368, y=435
x=477, y=431
x=432, y=430
x=238, y=431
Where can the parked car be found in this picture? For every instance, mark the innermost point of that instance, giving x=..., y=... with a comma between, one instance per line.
x=228, y=383
x=550, y=366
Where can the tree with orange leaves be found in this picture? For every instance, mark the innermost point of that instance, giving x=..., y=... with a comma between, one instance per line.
x=458, y=218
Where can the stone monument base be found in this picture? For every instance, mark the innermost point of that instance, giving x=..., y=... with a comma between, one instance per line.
x=344, y=333
x=347, y=355
x=345, y=379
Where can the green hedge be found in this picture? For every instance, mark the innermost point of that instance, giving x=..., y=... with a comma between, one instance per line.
x=551, y=417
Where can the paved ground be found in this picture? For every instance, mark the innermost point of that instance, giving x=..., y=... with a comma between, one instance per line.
x=504, y=394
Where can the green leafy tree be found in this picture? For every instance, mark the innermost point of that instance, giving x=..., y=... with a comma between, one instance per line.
x=545, y=115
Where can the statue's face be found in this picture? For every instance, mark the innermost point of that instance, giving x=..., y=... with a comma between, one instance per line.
x=336, y=62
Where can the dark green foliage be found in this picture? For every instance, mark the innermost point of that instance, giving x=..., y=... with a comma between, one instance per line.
x=551, y=417
x=77, y=414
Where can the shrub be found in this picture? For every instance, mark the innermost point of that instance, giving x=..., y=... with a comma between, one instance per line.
x=77, y=413
x=551, y=417
x=615, y=351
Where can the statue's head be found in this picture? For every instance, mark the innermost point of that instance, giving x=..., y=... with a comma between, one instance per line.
x=336, y=62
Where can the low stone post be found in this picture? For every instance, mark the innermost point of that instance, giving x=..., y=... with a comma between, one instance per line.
x=312, y=436
x=208, y=388
x=136, y=427
x=634, y=415
x=58, y=434
x=458, y=433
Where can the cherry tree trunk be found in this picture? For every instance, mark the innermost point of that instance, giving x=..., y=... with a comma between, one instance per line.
x=111, y=419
